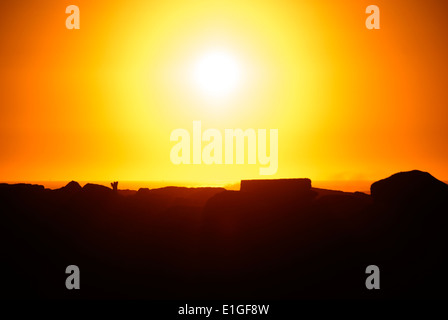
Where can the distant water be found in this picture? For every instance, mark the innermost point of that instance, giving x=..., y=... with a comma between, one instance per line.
x=345, y=185
x=348, y=186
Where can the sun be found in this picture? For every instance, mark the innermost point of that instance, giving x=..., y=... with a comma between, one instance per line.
x=217, y=74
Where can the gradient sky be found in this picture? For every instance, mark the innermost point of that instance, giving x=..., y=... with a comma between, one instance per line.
x=100, y=103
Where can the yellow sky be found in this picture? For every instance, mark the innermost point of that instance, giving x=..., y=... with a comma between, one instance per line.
x=100, y=103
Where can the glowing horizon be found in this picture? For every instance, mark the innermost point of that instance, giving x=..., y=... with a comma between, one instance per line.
x=99, y=103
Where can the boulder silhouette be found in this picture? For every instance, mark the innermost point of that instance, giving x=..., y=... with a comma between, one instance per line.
x=21, y=194
x=280, y=190
x=71, y=187
x=409, y=189
x=96, y=190
x=21, y=188
x=187, y=196
x=276, y=186
x=91, y=187
x=67, y=192
x=410, y=217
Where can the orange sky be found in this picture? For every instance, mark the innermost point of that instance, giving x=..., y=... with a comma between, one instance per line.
x=100, y=103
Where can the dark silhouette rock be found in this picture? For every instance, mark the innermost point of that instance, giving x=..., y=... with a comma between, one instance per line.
x=96, y=188
x=409, y=189
x=98, y=192
x=22, y=194
x=163, y=198
x=345, y=204
x=71, y=187
x=143, y=191
x=276, y=186
x=274, y=239
x=186, y=196
x=127, y=192
x=280, y=190
x=67, y=192
x=410, y=224
x=21, y=188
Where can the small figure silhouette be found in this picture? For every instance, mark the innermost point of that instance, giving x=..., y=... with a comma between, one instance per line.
x=114, y=185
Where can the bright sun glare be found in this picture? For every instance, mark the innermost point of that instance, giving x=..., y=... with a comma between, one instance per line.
x=217, y=74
